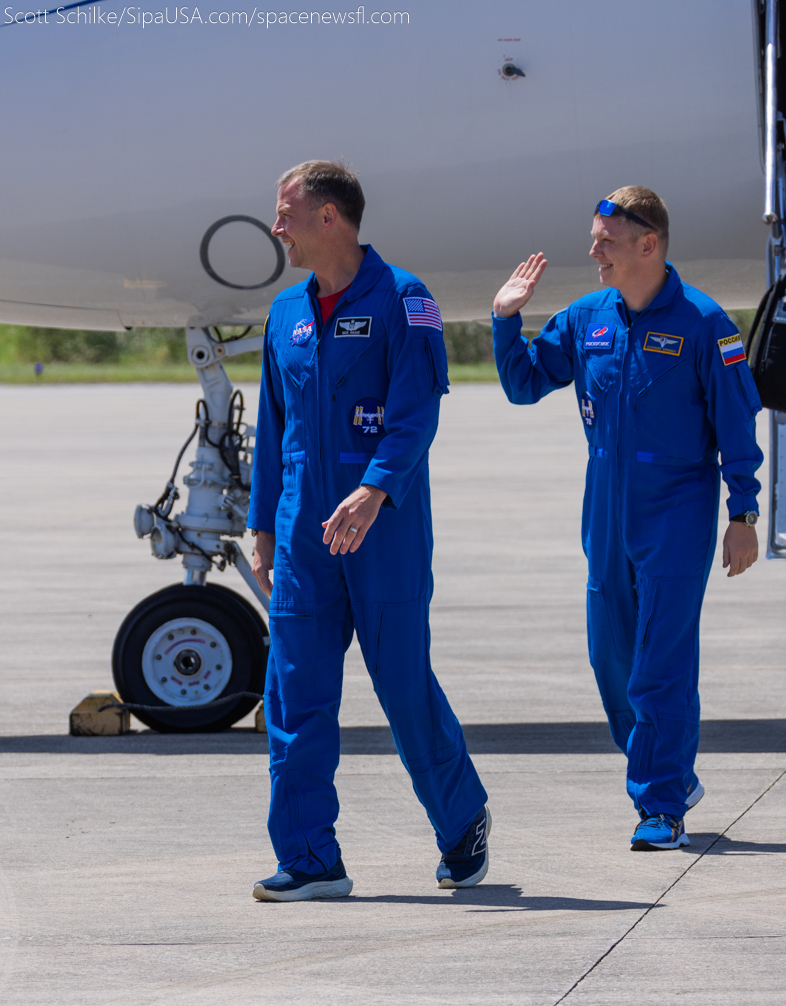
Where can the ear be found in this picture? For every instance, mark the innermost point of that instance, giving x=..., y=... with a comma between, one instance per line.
x=649, y=244
x=329, y=215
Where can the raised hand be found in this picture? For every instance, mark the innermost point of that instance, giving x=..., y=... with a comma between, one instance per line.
x=520, y=287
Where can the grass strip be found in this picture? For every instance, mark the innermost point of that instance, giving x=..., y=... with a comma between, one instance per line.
x=179, y=373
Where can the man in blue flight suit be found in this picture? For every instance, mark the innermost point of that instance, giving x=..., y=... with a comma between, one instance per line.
x=353, y=370
x=662, y=385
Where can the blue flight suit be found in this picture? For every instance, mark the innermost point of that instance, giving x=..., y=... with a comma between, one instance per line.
x=660, y=395
x=353, y=401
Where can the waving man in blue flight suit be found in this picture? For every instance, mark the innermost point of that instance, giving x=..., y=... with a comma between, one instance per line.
x=353, y=370
x=662, y=386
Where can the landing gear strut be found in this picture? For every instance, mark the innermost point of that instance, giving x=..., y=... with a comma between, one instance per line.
x=189, y=648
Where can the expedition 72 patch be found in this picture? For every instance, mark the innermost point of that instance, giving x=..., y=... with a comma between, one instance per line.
x=587, y=407
x=368, y=417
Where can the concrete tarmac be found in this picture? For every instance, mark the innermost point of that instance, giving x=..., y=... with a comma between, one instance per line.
x=126, y=864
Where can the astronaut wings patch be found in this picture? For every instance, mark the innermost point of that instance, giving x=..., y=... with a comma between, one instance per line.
x=423, y=311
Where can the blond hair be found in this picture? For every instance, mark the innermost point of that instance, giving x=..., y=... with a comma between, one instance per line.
x=647, y=205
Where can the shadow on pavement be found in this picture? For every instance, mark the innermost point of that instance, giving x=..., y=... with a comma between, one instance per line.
x=730, y=847
x=505, y=898
x=735, y=736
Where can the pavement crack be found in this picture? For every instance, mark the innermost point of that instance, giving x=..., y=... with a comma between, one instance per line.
x=671, y=887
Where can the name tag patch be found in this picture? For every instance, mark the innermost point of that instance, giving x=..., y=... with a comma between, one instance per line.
x=659, y=342
x=353, y=328
x=588, y=407
x=599, y=336
x=368, y=417
x=302, y=332
x=731, y=349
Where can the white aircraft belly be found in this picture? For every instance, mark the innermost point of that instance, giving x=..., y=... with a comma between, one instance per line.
x=124, y=145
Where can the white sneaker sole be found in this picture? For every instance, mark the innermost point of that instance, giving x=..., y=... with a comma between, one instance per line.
x=319, y=889
x=476, y=878
x=682, y=840
x=693, y=798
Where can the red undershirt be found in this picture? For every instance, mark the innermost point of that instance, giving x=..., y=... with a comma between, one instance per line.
x=327, y=304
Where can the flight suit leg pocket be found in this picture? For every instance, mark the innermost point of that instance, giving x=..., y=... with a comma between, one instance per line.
x=292, y=475
x=601, y=638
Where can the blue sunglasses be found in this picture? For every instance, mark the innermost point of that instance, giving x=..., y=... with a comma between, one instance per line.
x=607, y=208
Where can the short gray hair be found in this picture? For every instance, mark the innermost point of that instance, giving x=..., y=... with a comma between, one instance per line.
x=329, y=182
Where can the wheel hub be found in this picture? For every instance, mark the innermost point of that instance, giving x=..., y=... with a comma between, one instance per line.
x=187, y=662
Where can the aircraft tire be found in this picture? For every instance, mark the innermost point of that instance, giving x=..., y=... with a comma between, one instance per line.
x=184, y=647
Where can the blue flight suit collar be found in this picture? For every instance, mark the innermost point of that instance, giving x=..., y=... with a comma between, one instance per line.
x=662, y=299
x=367, y=276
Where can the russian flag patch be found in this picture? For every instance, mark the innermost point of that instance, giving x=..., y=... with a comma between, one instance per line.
x=422, y=311
x=731, y=349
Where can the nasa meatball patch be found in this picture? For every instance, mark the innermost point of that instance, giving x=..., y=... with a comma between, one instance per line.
x=353, y=328
x=659, y=342
x=302, y=332
x=599, y=336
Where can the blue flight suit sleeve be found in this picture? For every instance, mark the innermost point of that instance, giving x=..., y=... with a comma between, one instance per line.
x=267, y=469
x=528, y=372
x=418, y=368
x=732, y=404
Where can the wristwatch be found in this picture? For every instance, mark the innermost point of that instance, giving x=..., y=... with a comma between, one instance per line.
x=749, y=517
x=253, y=531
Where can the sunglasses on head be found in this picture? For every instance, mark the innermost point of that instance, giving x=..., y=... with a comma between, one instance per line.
x=607, y=208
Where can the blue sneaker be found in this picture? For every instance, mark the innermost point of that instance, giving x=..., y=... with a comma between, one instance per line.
x=695, y=790
x=468, y=863
x=292, y=885
x=658, y=831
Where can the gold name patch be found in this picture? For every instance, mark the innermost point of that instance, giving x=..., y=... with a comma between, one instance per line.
x=659, y=342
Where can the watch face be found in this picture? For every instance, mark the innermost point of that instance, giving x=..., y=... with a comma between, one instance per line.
x=751, y=518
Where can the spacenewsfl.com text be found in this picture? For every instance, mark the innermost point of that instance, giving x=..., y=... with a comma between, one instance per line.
x=95, y=15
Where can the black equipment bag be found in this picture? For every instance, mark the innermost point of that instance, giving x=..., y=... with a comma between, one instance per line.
x=765, y=347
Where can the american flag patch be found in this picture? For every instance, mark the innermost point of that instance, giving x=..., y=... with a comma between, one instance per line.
x=422, y=311
x=731, y=349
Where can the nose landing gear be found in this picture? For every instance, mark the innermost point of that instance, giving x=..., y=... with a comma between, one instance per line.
x=188, y=649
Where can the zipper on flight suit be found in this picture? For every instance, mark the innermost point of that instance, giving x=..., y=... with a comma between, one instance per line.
x=352, y=365
x=321, y=326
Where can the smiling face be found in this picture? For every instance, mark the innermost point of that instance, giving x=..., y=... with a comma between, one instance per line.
x=623, y=253
x=301, y=226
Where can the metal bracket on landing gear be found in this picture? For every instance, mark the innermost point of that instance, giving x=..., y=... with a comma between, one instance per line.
x=219, y=482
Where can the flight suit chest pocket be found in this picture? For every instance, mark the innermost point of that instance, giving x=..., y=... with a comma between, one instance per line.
x=294, y=374
x=656, y=371
x=598, y=350
x=431, y=367
x=656, y=355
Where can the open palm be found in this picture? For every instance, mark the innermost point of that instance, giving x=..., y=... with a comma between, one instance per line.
x=520, y=287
